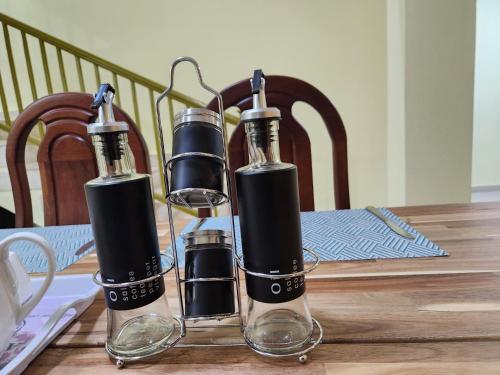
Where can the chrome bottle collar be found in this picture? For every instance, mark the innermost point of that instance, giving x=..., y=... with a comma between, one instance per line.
x=197, y=115
x=205, y=237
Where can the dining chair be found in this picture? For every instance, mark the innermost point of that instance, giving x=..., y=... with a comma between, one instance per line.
x=282, y=92
x=66, y=157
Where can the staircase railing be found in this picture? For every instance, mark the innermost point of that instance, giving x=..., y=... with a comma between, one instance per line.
x=65, y=67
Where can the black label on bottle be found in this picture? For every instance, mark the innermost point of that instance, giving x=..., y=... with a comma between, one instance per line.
x=271, y=237
x=274, y=290
x=138, y=295
x=126, y=239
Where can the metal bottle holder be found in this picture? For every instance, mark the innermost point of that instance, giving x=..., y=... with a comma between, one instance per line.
x=176, y=198
x=209, y=204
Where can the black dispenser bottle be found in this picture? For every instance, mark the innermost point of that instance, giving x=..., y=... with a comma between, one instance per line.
x=278, y=319
x=121, y=212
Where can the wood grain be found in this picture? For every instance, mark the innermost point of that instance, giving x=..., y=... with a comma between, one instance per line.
x=409, y=358
x=426, y=315
x=375, y=311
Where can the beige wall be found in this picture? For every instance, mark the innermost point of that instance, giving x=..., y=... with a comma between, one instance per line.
x=486, y=155
x=430, y=100
x=345, y=48
x=439, y=72
x=396, y=109
x=338, y=46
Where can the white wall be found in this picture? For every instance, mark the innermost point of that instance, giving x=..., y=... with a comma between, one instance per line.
x=486, y=150
x=338, y=46
x=396, y=99
x=439, y=71
x=430, y=100
x=359, y=53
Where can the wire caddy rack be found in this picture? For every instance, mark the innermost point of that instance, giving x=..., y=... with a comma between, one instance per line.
x=187, y=324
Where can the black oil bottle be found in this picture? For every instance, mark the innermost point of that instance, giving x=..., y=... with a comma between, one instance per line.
x=121, y=212
x=278, y=319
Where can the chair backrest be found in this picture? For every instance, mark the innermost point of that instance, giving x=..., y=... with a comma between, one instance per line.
x=282, y=92
x=66, y=157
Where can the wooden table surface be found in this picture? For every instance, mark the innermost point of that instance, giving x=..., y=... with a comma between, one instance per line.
x=412, y=316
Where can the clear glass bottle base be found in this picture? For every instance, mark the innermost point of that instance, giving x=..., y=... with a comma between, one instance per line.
x=279, y=331
x=141, y=336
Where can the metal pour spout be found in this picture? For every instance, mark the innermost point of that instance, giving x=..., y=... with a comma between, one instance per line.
x=103, y=101
x=109, y=136
x=260, y=110
x=105, y=122
x=258, y=90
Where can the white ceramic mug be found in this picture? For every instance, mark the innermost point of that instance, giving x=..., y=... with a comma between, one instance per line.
x=13, y=279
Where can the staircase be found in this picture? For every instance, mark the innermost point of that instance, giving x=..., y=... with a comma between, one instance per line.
x=36, y=64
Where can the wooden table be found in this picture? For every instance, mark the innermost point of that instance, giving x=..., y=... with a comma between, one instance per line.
x=426, y=315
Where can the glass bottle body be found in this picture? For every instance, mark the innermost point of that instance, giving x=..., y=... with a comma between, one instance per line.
x=113, y=155
x=278, y=328
x=142, y=331
x=121, y=211
x=278, y=317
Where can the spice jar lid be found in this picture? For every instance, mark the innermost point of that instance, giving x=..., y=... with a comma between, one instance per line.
x=197, y=115
x=205, y=237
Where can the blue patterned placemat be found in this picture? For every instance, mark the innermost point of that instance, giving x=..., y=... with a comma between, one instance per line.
x=343, y=235
x=65, y=240
x=334, y=235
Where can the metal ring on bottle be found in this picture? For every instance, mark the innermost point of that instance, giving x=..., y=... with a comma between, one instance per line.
x=136, y=282
x=313, y=344
x=193, y=153
x=281, y=276
x=203, y=279
x=203, y=191
x=188, y=117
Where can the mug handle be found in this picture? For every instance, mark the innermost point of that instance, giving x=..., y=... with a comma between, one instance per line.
x=26, y=307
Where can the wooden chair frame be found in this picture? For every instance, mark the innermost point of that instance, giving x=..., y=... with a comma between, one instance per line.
x=282, y=92
x=65, y=156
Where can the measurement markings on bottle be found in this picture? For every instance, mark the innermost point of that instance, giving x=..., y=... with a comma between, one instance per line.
x=138, y=291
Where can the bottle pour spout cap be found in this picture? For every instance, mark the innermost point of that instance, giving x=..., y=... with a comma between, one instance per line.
x=106, y=123
x=260, y=109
